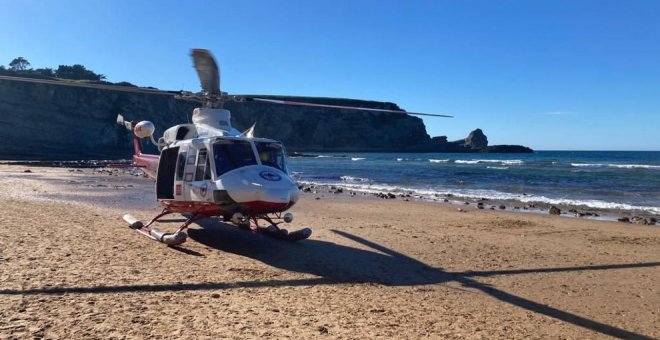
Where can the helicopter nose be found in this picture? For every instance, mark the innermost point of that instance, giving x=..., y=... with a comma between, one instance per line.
x=261, y=189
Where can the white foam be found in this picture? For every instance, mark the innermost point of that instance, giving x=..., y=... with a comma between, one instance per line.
x=438, y=160
x=634, y=166
x=618, y=166
x=488, y=194
x=497, y=167
x=352, y=179
x=399, y=159
x=501, y=161
x=357, y=158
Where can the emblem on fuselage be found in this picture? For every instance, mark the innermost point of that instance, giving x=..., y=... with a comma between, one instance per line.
x=270, y=176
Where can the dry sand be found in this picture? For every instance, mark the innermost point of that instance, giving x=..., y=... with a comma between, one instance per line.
x=70, y=268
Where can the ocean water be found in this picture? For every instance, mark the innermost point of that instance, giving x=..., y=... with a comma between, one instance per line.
x=622, y=180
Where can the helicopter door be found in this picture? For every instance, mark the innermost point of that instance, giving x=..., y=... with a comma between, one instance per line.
x=200, y=184
x=165, y=175
x=184, y=187
x=180, y=168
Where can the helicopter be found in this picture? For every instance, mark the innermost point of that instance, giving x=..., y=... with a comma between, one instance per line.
x=207, y=168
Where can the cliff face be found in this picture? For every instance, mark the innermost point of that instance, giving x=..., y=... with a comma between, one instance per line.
x=46, y=121
x=56, y=122
x=325, y=129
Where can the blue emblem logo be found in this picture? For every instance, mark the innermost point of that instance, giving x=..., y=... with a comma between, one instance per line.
x=270, y=176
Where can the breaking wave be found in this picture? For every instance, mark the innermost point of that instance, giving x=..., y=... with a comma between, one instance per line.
x=351, y=179
x=501, y=161
x=366, y=186
x=357, y=158
x=618, y=166
x=438, y=160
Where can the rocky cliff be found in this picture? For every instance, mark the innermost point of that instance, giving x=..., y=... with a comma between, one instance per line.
x=48, y=121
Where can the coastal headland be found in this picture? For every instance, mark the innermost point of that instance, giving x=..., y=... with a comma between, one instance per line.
x=57, y=120
x=373, y=268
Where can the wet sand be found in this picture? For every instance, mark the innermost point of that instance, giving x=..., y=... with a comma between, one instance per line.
x=71, y=268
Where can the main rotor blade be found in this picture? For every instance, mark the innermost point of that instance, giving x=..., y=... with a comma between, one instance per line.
x=287, y=102
x=91, y=85
x=207, y=70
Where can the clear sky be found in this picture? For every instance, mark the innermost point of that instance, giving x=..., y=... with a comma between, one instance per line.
x=552, y=75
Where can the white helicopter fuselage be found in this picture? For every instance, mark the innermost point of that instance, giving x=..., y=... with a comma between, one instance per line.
x=211, y=168
x=227, y=174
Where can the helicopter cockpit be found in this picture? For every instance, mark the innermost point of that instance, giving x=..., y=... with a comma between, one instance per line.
x=232, y=154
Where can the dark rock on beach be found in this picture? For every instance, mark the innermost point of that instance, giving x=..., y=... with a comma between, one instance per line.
x=554, y=211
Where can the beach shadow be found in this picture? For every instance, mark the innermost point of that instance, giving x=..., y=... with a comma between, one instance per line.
x=335, y=262
x=339, y=264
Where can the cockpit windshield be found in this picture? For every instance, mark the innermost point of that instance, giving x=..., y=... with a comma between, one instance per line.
x=231, y=154
x=271, y=154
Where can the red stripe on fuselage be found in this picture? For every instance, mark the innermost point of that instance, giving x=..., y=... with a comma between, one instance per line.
x=212, y=209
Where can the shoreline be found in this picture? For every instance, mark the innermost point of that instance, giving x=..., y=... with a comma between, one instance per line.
x=565, y=210
x=635, y=216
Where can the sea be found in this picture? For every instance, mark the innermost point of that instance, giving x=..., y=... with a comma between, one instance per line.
x=610, y=180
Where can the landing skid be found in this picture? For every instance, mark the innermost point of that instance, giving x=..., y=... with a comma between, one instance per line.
x=283, y=234
x=171, y=239
x=178, y=237
x=273, y=228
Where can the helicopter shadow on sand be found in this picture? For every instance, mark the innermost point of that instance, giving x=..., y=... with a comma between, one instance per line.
x=336, y=264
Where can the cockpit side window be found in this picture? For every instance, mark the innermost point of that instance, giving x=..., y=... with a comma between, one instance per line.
x=271, y=154
x=203, y=169
x=180, y=165
x=229, y=155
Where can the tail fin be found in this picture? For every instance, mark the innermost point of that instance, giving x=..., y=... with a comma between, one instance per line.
x=137, y=145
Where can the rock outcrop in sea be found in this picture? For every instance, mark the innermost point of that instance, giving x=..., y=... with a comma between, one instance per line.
x=52, y=121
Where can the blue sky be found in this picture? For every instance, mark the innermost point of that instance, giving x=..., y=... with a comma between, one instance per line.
x=552, y=75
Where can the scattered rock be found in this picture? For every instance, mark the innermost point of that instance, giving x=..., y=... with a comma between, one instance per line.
x=480, y=205
x=215, y=295
x=623, y=219
x=28, y=170
x=461, y=210
x=476, y=140
x=639, y=220
x=323, y=329
x=554, y=211
x=502, y=207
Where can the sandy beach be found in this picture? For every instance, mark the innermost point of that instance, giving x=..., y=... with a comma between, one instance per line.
x=71, y=269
